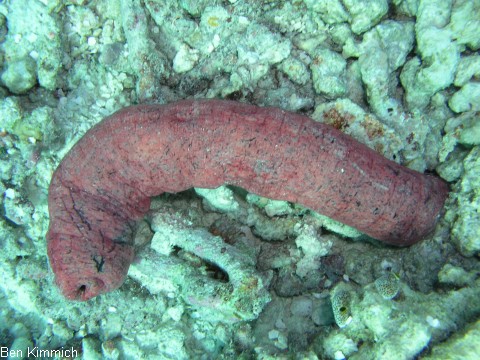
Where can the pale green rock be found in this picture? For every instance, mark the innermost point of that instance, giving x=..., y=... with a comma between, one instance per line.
x=463, y=129
x=241, y=298
x=10, y=112
x=466, y=99
x=383, y=50
x=194, y=7
x=110, y=327
x=422, y=79
x=342, y=343
x=83, y=20
x=466, y=225
x=185, y=59
x=61, y=331
x=277, y=208
x=214, y=23
x=394, y=38
x=407, y=7
x=3, y=31
x=438, y=24
x=363, y=126
x=421, y=83
x=468, y=67
x=456, y=276
x=338, y=227
x=263, y=227
x=465, y=22
x=464, y=345
x=296, y=70
x=221, y=199
x=328, y=73
x=452, y=167
x=16, y=209
x=53, y=5
x=145, y=60
x=90, y=349
x=365, y=13
x=34, y=37
x=21, y=345
x=19, y=77
x=341, y=33
x=330, y=11
x=399, y=337
x=313, y=246
x=389, y=349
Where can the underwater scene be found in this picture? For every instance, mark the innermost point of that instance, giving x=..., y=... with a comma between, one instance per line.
x=240, y=179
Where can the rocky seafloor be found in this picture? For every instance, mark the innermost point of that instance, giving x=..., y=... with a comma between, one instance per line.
x=402, y=76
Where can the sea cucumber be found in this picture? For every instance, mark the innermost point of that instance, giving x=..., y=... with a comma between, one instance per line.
x=104, y=184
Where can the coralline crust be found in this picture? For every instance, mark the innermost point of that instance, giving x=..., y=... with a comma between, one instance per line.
x=105, y=182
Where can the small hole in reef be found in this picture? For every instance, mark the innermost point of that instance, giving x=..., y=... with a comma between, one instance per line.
x=217, y=273
x=212, y=270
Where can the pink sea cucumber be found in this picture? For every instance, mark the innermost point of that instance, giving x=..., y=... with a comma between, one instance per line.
x=105, y=182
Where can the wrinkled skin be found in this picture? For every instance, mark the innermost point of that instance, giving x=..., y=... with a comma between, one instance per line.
x=105, y=182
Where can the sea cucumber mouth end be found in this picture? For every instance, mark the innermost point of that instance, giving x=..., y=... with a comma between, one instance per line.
x=85, y=290
x=80, y=293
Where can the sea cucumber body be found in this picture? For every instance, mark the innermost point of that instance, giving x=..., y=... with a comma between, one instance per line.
x=106, y=180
